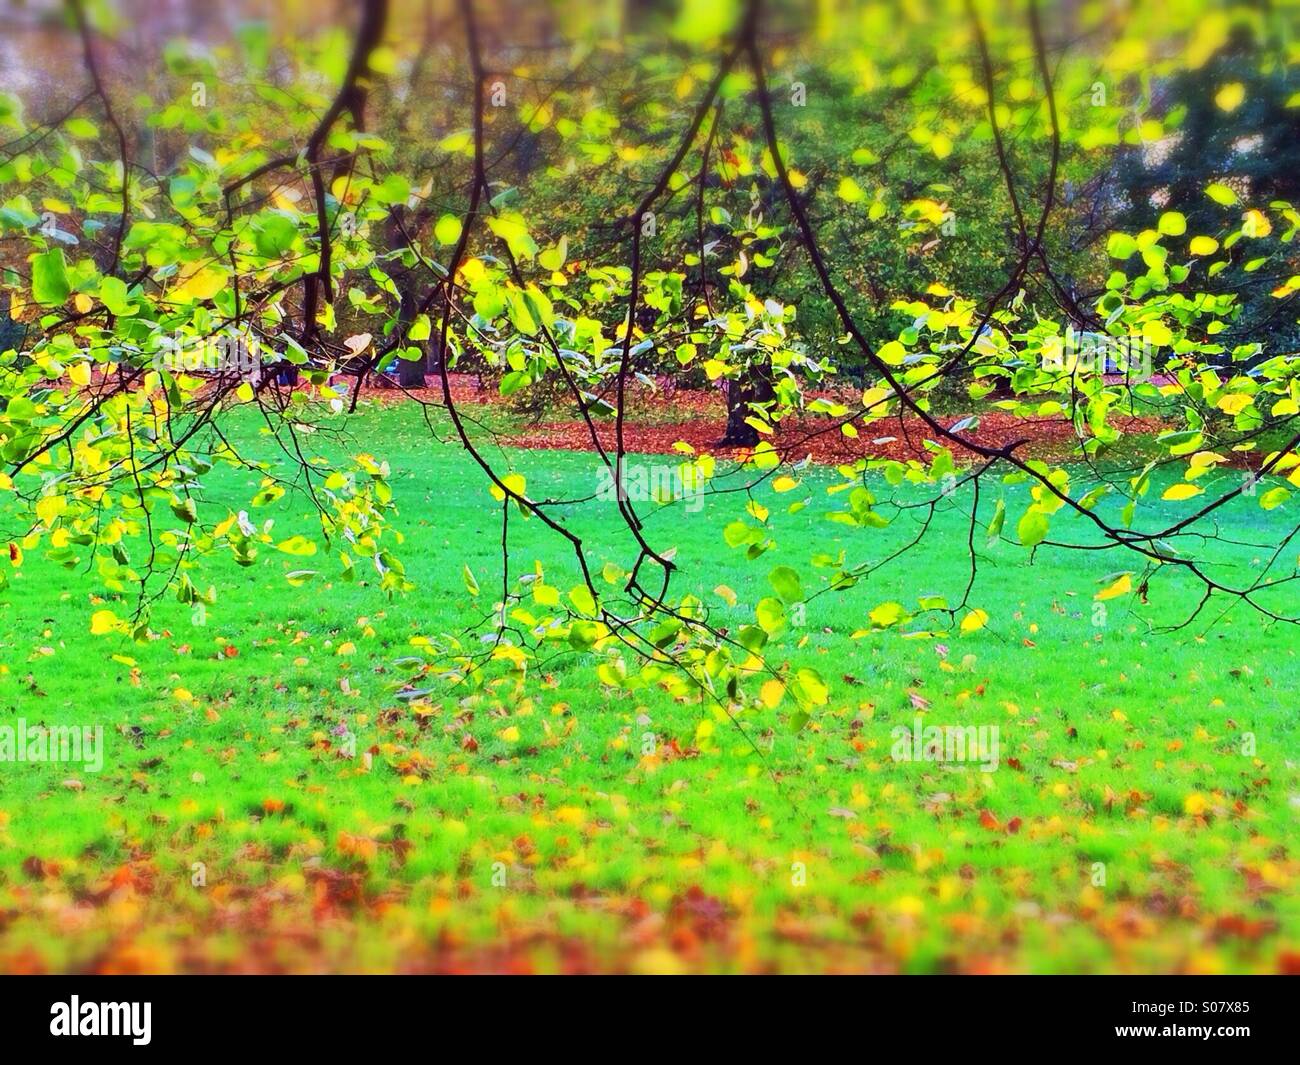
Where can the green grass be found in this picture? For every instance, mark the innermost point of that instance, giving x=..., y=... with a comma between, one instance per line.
x=1118, y=745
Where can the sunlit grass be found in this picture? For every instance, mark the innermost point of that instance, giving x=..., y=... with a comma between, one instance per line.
x=1118, y=746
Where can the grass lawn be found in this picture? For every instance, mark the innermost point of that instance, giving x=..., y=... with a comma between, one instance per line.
x=1123, y=829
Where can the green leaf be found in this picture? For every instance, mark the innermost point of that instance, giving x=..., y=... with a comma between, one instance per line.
x=1120, y=246
x=512, y=229
x=1173, y=224
x=787, y=584
x=1220, y=193
x=1274, y=498
x=1032, y=528
x=273, y=234
x=849, y=190
x=50, y=285
x=808, y=688
x=393, y=189
x=998, y=520
x=553, y=258
x=704, y=20
x=765, y=456
x=887, y=614
x=770, y=614
x=112, y=291
x=186, y=511
x=81, y=127
x=447, y=229
x=581, y=597
x=471, y=585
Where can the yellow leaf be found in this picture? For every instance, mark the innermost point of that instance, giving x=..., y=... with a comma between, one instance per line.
x=849, y=190
x=1120, y=587
x=103, y=621
x=874, y=397
x=887, y=614
x=1181, y=491
x=765, y=456
x=510, y=734
x=1234, y=403
x=893, y=353
x=771, y=692
x=1256, y=224
x=974, y=621
x=515, y=482
x=1230, y=96
x=202, y=284
x=50, y=507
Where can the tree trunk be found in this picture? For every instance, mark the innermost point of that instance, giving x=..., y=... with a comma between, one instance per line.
x=411, y=374
x=754, y=387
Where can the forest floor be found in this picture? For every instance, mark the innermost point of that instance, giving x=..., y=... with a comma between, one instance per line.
x=659, y=419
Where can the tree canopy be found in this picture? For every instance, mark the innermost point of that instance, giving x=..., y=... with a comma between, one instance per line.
x=923, y=202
